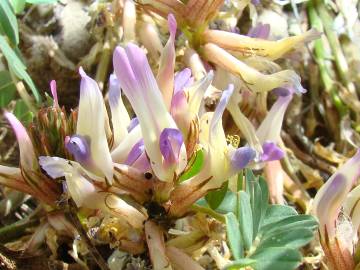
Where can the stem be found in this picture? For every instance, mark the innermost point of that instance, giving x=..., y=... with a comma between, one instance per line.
x=321, y=54
x=103, y=66
x=340, y=60
x=92, y=249
x=15, y=230
x=20, y=87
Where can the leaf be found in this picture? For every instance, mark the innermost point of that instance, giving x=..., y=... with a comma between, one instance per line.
x=22, y=112
x=234, y=236
x=214, y=198
x=277, y=258
x=17, y=66
x=196, y=166
x=228, y=204
x=276, y=213
x=291, y=223
x=8, y=22
x=242, y=263
x=244, y=215
x=18, y=5
x=295, y=239
x=7, y=88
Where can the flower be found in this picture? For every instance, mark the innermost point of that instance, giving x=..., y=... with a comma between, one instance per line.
x=329, y=200
x=167, y=156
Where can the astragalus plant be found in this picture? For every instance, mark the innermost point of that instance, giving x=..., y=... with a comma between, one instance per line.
x=137, y=184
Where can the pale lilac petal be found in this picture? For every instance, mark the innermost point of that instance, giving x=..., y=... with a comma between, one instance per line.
x=28, y=159
x=165, y=76
x=217, y=135
x=171, y=141
x=271, y=152
x=270, y=127
x=332, y=195
x=142, y=163
x=182, y=80
x=133, y=123
x=197, y=91
x=241, y=157
x=79, y=147
x=255, y=2
x=54, y=92
x=260, y=31
x=119, y=116
x=91, y=124
x=55, y=167
x=121, y=152
x=135, y=152
x=286, y=91
x=139, y=85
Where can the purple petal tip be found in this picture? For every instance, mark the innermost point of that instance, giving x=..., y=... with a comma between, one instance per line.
x=133, y=123
x=242, y=157
x=54, y=92
x=271, y=152
x=78, y=146
x=172, y=25
x=171, y=141
x=135, y=152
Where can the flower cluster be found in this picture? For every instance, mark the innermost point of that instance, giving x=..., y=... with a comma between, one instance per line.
x=122, y=165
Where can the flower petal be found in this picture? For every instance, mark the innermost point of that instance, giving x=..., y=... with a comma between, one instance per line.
x=129, y=20
x=139, y=85
x=331, y=196
x=121, y=152
x=119, y=116
x=217, y=136
x=251, y=78
x=165, y=76
x=260, y=31
x=270, y=127
x=171, y=141
x=28, y=159
x=135, y=152
x=271, y=152
x=241, y=157
x=245, y=46
x=54, y=92
x=79, y=147
x=91, y=125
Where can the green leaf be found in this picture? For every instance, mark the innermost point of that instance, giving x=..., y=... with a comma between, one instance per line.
x=234, y=236
x=214, y=198
x=196, y=167
x=242, y=263
x=277, y=258
x=244, y=215
x=7, y=88
x=8, y=22
x=18, y=5
x=295, y=239
x=228, y=204
x=41, y=1
x=291, y=223
x=277, y=212
x=17, y=66
x=21, y=111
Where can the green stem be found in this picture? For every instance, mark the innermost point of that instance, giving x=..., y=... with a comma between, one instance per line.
x=103, y=66
x=20, y=87
x=15, y=230
x=339, y=57
x=322, y=54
